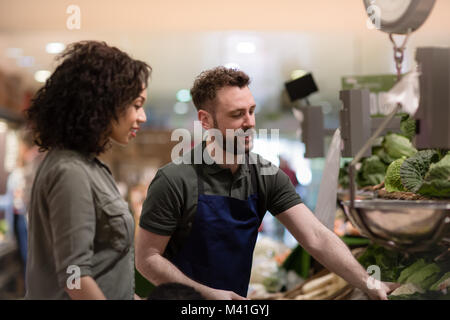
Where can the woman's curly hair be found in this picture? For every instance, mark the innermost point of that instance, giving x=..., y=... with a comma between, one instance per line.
x=93, y=85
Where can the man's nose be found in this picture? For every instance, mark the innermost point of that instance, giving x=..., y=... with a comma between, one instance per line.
x=249, y=120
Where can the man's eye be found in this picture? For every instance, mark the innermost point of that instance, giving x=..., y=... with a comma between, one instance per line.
x=137, y=106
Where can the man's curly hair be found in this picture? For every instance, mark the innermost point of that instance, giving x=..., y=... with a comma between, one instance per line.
x=93, y=85
x=207, y=84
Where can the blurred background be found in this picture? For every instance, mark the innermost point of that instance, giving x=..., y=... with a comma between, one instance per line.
x=272, y=41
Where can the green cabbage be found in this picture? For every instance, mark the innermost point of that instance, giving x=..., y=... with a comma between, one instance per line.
x=408, y=126
x=393, y=182
x=397, y=146
x=372, y=172
x=413, y=169
x=382, y=154
x=437, y=180
x=406, y=273
x=444, y=280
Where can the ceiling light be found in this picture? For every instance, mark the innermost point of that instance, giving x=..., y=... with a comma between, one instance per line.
x=25, y=62
x=14, y=52
x=55, y=47
x=42, y=75
x=181, y=108
x=184, y=95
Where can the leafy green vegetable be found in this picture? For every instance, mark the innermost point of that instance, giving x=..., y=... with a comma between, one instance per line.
x=413, y=169
x=298, y=260
x=439, y=170
x=382, y=154
x=425, y=276
x=393, y=182
x=437, y=180
x=436, y=188
x=398, y=146
x=372, y=172
x=390, y=262
x=406, y=273
x=344, y=179
x=437, y=284
x=408, y=126
x=428, y=295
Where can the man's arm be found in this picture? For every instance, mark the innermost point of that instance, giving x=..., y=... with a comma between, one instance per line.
x=157, y=269
x=329, y=250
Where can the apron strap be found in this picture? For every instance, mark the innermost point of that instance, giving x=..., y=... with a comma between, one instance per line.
x=200, y=186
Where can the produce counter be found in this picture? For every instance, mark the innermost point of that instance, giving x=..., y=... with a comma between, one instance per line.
x=423, y=276
x=299, y=277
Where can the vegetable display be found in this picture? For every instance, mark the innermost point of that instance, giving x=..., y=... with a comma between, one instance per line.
x=421, y=277
x=396, y=163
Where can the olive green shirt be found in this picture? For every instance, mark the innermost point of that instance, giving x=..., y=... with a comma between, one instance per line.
x=79, y=225
x=171, y=201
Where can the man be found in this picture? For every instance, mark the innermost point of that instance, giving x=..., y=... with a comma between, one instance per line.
x=199, y=222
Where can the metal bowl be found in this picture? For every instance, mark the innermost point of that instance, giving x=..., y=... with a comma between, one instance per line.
x=405, y=225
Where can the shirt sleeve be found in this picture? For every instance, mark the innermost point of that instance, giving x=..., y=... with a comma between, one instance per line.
x=72, y=220
x=281, y=193
x=162, y=207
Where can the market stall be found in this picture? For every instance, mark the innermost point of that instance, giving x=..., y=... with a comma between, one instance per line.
x=394, y=190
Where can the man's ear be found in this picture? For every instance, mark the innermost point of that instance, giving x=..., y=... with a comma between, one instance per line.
x=206, y=119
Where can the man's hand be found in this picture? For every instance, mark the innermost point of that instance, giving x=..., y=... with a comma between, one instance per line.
x=381, y=293
x=216, y=294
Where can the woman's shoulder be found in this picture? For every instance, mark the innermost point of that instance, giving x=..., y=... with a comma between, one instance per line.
x=68, y=161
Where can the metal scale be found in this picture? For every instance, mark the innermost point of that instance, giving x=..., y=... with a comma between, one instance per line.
x=405, y=225
x=408, y=225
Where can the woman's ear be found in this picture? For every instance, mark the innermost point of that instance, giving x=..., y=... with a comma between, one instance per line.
x=206, y=119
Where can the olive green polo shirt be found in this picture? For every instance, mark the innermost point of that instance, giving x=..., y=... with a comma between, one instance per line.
x=79, y=225
x=171, y=201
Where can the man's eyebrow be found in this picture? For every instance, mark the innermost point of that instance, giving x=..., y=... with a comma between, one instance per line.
x=242, y=109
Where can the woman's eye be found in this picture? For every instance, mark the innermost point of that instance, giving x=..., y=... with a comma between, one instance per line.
x=137, y=106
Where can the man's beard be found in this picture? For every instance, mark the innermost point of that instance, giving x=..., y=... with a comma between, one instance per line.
x=237, y=143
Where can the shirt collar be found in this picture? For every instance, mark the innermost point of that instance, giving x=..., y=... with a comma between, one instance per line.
x=99, y=162
x=214, y=168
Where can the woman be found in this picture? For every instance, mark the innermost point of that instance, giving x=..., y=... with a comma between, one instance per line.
x=81, y=230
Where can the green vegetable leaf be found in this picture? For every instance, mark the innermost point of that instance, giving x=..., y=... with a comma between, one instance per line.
x=413, y=169
x=435, y=188
x=408, y=126
x=439, y=170
x=406, y=273
x=425, y=276
x=372, y=172
x=435, y=286
x=398, y=146
x=437, y=180
x=392, y=181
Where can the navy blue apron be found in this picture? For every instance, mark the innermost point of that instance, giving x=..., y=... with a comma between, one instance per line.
x=219, y=249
